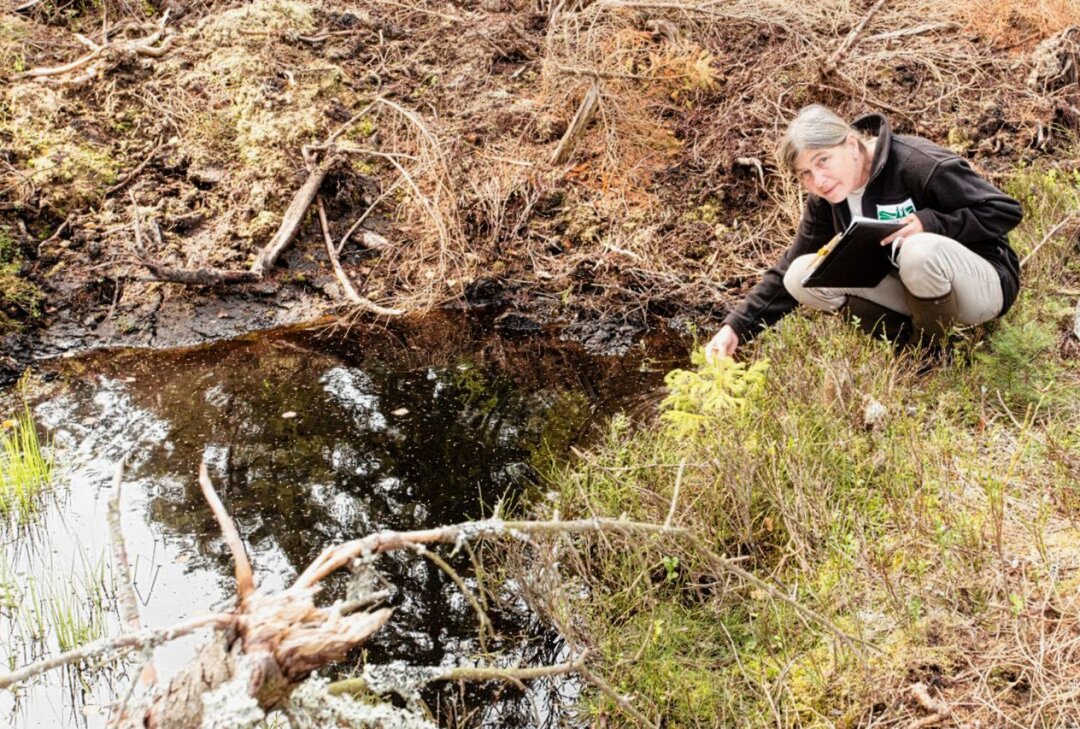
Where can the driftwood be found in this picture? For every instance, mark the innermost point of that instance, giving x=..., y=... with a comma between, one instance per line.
x=269, y=643
x=581, y=119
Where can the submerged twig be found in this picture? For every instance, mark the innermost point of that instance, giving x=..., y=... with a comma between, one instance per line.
x=486, y=630
x=245, y=582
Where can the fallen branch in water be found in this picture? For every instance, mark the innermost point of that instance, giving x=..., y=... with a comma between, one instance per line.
x=269, y=644
x=116, y=647
x=245, y=580
x=336, y=557
x=358, y=686
x=125, y=599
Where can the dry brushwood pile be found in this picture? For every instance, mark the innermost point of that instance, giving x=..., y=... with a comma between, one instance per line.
x=577, y=160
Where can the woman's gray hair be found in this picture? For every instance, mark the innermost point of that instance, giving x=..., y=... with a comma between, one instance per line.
x=814, y=127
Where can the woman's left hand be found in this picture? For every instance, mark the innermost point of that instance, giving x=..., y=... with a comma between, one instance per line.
x=912, y=225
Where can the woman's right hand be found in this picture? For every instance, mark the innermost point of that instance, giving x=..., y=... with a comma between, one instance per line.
x=722, y=345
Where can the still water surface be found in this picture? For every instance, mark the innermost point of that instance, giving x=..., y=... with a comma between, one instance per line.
x=313, y=438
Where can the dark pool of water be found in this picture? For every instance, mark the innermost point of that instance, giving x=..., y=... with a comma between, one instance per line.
x=315, y=437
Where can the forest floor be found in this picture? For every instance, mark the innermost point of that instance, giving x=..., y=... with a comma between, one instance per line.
x=929, y=512
x=197, y=114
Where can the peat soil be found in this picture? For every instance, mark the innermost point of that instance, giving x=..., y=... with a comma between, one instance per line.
x=194, y=122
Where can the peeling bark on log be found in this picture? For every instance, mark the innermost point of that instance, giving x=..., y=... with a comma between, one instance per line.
x=180, y=705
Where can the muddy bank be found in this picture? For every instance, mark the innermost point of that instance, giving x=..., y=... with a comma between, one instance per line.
x=455, y=172
x=164, y=321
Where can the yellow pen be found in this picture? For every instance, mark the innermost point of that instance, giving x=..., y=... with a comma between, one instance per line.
x=824, y=250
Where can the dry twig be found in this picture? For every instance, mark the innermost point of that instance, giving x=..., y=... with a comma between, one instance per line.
x=835, y=58
x=135, y=172
x=582, y=117
x=350, y=292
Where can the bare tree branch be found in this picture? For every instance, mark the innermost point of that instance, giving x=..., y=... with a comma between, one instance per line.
x=342, y=277
x=120, y=644
x=245, y=582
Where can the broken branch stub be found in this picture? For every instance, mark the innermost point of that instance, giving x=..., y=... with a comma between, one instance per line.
x=245, y=581
x=581, y=119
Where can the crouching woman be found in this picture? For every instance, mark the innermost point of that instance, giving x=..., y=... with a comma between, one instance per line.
x=954, y=263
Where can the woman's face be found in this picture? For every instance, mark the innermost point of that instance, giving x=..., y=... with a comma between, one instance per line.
x=833, y=172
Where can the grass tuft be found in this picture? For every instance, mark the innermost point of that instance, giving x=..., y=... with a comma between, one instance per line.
x=26, y=468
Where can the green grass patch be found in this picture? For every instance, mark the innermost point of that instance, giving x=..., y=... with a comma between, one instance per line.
x=893, y=497
x=26, y=468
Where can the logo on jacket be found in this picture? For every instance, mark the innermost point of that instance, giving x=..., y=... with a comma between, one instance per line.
x=897, y=211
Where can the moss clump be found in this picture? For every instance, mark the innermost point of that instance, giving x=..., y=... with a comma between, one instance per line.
x=20, y=300
x=68, y=172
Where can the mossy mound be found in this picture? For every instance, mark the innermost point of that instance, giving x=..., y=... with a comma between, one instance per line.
x=20, y=300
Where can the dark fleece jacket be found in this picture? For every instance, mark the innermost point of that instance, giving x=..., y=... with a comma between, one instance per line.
x=948, y=197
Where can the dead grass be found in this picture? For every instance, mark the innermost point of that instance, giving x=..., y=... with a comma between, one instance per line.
x=670, y=199
x=1018, y=25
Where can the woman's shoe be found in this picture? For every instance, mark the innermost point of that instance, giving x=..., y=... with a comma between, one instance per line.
x=932, y=318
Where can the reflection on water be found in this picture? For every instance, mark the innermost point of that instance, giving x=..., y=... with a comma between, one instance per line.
x=313, y=439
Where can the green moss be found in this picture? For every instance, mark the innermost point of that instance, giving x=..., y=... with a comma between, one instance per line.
x=708, y=212
x=959, y=140
x=20, y=300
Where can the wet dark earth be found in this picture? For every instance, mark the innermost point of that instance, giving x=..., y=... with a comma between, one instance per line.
x=314, y=437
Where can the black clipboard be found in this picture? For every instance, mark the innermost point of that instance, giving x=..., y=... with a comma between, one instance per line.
x=857, y=260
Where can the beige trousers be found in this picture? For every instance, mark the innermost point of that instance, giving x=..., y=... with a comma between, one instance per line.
x=930, y=266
